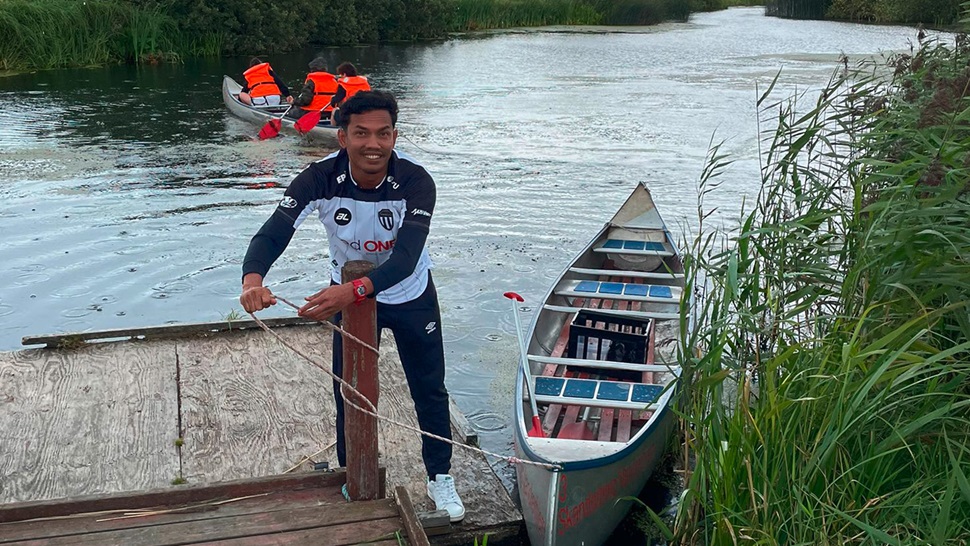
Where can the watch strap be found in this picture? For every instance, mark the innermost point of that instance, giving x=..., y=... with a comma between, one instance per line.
x=360, y=291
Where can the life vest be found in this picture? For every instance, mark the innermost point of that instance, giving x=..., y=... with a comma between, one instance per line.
x=260, y=82
x=353, y=85
x=324, y=87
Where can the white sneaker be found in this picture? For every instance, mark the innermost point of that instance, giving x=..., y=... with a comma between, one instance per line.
x=442, y=491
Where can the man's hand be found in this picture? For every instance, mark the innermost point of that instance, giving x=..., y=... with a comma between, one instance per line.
x=289, y=99
x=328, y=302
x=256, y=298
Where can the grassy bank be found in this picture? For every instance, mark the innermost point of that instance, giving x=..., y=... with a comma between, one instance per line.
x=830, y=399
x=57, y=33
x=939, y=13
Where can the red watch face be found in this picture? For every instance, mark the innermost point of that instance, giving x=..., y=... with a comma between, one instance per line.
x=361, y=290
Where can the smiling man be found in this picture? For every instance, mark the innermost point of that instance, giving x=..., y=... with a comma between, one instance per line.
x=376, y=205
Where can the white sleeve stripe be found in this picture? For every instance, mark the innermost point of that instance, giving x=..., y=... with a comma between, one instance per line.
x=331, y=156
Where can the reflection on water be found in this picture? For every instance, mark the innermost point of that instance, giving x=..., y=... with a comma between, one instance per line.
x=128, y=195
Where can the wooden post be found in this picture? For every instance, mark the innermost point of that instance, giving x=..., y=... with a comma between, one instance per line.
x=360, y=370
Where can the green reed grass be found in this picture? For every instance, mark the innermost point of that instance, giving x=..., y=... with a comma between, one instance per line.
x=829, y=400
x=58, y=33
x=492, y=14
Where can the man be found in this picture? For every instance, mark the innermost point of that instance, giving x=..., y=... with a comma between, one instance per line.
x=348, y=85
x=318, y=90
x=376, y=205
x=263, y=87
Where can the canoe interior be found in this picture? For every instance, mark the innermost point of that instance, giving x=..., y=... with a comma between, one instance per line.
x=632, y=271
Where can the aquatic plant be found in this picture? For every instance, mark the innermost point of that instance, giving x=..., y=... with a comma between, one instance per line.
x=491, y=14
x=58, y=33
x=829, y=400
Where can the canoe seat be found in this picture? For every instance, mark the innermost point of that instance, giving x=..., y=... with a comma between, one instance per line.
x=662, y=275
x=635, y=248
x=613, y=312
x=619, y=291
x=597, y=393
x=602, y=364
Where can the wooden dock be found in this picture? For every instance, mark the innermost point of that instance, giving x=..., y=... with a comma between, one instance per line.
x=294, y=509
x=205, y=404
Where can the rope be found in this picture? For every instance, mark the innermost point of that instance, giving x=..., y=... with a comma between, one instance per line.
x=372, y=411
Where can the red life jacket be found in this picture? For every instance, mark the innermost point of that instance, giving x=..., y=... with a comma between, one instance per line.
x=324, y=87
x=353, y=85
x=259, y=81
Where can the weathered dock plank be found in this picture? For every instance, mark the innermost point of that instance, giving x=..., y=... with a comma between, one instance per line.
x=251, y=407
x=286, y=509
x=243, y=404
x=95, y=419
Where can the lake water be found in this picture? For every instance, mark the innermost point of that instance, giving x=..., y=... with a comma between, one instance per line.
x=128, y=194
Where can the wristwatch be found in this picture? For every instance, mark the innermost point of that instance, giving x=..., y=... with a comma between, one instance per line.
x=360, y=291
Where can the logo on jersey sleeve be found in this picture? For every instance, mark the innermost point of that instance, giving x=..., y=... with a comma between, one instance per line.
x=421, y=212
x=342, y=217
x=288, y=202
x=386, y=217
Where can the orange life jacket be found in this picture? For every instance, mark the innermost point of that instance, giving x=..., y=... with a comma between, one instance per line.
x=259, y=81
x=324, y=87
x=353, y=85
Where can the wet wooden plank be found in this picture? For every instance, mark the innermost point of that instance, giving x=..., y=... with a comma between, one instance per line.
x=168, y=496
x=135, y=516
x=377, y=533
x=100, y=418
x=252, y=407
x=249, y=525
x=415, y=532
x=166, y=331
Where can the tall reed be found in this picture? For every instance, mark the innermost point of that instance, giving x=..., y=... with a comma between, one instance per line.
x=829, y=402
x=58, y=33
x=797, y=9
x=491, y=14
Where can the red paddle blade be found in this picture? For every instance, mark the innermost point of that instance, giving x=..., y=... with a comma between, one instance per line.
x=271, y=129
x=536, y=430
x=514, y=296
x=307, y=122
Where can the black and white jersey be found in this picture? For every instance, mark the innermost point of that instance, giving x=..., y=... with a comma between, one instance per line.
x=361, y=224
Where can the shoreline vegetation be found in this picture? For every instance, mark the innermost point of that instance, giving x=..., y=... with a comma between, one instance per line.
x=39, y=34
x=828, y=399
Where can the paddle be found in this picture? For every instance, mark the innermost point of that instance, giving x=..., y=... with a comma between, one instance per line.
x=272, y=127
x=536, y=430
x=307, y=122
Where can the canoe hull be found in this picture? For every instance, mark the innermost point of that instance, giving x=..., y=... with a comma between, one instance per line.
x=322, y=133
x=579, y=506
x=578, y=502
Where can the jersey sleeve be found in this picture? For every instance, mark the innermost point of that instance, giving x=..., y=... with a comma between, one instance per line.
x=420, y=199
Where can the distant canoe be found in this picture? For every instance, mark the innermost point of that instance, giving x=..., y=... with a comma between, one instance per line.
x=259, y=115
x=601, y=354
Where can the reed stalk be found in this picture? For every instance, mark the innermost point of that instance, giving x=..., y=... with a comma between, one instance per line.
x=829, y=401
x=60, y=33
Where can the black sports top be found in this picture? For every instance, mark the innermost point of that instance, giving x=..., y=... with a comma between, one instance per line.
x=387, y=225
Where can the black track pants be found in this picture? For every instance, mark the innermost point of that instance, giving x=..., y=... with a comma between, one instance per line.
x=417, y=330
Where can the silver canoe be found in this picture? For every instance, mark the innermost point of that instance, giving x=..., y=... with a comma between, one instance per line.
x=602, y=356
x=323, y=132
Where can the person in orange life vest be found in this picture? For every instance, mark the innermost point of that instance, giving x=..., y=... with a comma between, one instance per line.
x=318, y=91
x=349, y=84
x=263, y=87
